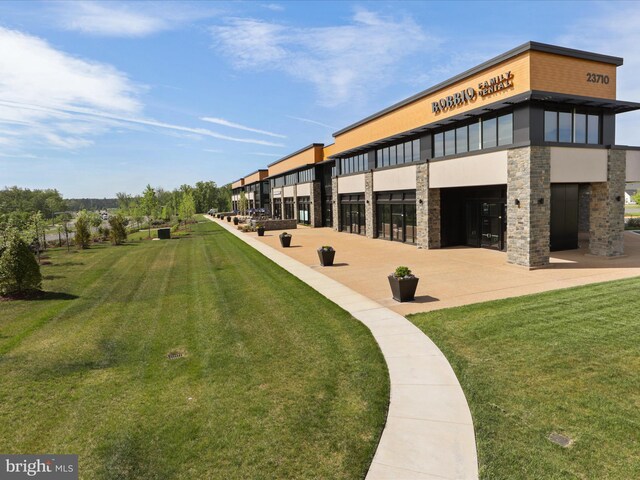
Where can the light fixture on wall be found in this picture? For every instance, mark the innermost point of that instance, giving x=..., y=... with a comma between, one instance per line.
x=540, y=201
x=518, y=202
x=368, y=202
x=618, y=198
x=420, y=201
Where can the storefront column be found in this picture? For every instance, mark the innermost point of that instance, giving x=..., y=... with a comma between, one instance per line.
x=433, y=218
x=606, y=209
x=335, y=203
x=369, y=205
x=316, y=205
x=528, y=206
x=422, y=205
x=296, y=214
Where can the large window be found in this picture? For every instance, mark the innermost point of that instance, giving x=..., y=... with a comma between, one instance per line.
x=396, y=216
x=573, y=126
x=352, y=214
x=357, y=163
x=277, y=208
x=485, y=133
x=398, y=154
x=304, y=210
x=307, y=175
x=289, y=206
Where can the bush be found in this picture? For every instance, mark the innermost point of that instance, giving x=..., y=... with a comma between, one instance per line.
x=633, y=222
x=19, y=270
x=83, y=231
x=118, y=233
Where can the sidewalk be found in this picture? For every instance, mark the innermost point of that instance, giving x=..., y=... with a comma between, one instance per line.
x=429, y=431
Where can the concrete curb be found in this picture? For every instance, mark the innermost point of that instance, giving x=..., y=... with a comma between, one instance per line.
x=429, y=431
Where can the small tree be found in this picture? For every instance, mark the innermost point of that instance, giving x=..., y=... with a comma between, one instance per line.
x=118, y=231
x=243, y=203
x=19, y=270
x=83, y=230
x=187, y=207
x=636, y=197
x=149, y=203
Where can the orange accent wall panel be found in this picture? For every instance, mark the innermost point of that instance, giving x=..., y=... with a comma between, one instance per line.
x=556, y=73
x=238, y=183
x=255, y=177
x=310, y=155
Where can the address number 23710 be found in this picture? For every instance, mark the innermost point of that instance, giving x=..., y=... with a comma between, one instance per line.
x=597, y=78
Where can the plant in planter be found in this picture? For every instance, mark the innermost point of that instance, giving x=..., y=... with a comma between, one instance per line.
x=228, y=218
x=326, y=254
x=285, y=239
x=260, y=230
x=235, y=220
x=403, y=284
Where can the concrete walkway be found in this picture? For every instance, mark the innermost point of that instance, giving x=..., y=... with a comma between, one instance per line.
x=429, y=431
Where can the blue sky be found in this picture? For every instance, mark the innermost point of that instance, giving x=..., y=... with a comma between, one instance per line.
x=102, y=97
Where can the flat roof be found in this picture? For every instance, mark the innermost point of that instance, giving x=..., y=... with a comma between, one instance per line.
x=525, y=47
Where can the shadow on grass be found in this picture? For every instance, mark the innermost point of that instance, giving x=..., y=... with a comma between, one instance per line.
x=53, y=296
x=66, y=264
x=52, y=277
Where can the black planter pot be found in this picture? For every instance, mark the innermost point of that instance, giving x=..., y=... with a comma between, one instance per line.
x=285, y=240
x=228, y=218
x=235, y=220
x=403, y=289
x=260, y=231
x=326, y=257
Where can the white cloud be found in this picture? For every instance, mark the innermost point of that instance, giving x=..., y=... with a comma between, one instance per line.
x=53, y=99
x=119, y=19
x=227, y=123
x=343, y=62
x=614, y=31
x=261, y=154
x=274, y=7
x=308, y=120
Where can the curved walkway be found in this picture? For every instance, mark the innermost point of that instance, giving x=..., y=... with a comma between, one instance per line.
x=429, y=431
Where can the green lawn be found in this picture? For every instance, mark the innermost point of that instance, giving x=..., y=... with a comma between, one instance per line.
x=566, y=362
x=275, y=381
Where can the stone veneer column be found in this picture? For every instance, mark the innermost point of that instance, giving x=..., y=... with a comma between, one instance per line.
x=369, y=205
x=316, y=204
x=433, y=218
x=528, y=224
x=606, y=208
x=335, y=203
x=281, y=203
x=295, y=203
x=422, y=205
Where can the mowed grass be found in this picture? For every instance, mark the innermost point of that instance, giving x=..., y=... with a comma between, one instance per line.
x=564, y=362
x=275, y=381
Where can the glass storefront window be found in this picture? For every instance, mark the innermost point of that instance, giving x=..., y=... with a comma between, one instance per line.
x=593, y=133
x=550, y=126
x=438, y=145
x=474, y=137
x=564, y=126
x=450, y=142
x=505, y=129
x=461, y=140
x=580, y=128
x=415, y=147
x=489, y=132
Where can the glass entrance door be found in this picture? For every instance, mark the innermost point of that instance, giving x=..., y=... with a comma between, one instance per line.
x=491, y=225
x=397, y=223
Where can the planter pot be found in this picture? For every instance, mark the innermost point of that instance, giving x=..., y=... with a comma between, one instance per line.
x=228, y=218
x=403, y=289
x=326, y=257
x=235, y=220
x=285, y=240
x=260, y=231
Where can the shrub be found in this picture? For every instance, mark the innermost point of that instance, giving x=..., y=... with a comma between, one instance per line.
x=118, y=233
x=19, y=270
x=402, y=272
x=633, y=222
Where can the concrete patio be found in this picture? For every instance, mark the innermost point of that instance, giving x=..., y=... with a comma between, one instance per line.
x=449, y=277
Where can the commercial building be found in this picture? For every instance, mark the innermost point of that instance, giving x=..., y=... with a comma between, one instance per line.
x=517, y=154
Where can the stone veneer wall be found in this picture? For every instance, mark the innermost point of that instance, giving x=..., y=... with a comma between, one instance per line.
x=584, y=199
x=422, y=194
x=606, y=219
x=528, y=224
x=316, y=205
x=433, y=219
x=335, y=205
x=369, y=205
